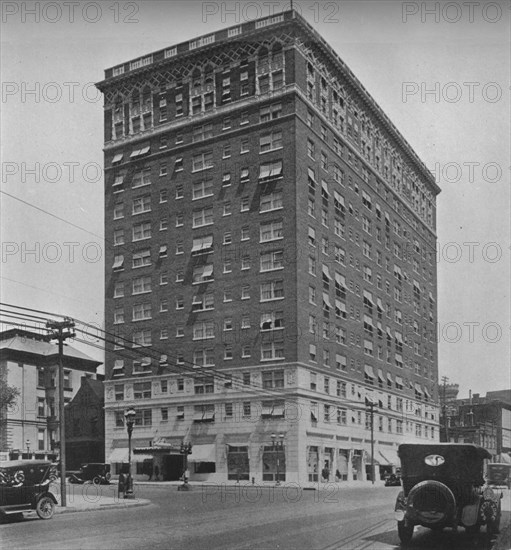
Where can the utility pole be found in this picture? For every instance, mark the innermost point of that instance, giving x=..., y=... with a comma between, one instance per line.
x=445, y=379
x=61, y=331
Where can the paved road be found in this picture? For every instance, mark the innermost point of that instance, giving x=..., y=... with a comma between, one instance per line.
x=233, y=519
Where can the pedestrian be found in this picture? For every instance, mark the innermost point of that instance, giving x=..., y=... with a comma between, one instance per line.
x=337, y=475
x=122, y=485
x=325, y=473
x=156, y=473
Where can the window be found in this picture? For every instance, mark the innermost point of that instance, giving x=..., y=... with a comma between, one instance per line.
x=204, y=358
x=141, y=258
x=270, y=141
x=141, y=178
x=273, y=320
x=246, y=409
x=270, y=201
x=272, y=290
x=119, y=211
x=141, y=204
x=202, y=161
x=203, y=330
x=273, y=379
x=141, y=231
x=272, y=351
x=244, y=147
x=271, y=112
x=142, y=390
x=270, y=170
x=341, y=416
x=202, y=273
x=118, y=237
x=271, y=231
x=311, y=149
x=203, y=302
x=272, y=260
x=118, y=316
x=203, y=188
x=202, y=217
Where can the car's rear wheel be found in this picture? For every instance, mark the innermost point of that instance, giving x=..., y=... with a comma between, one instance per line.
x=45, y=508
x=405, y=531
x=108, y=476
x=96, y=480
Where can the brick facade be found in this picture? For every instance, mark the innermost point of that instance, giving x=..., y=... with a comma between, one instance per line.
x=275, y=225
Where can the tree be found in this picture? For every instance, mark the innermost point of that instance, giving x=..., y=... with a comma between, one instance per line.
x=8, y=395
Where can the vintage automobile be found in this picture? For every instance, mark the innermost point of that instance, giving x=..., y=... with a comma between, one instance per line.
x=443, y=486
x=499, y=474
x=96, y=472
x=393, y=480
x=24, y=486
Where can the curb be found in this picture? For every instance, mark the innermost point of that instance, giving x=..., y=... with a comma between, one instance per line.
x=114, y=506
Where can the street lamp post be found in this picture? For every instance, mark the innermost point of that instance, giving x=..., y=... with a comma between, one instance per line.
x=186, y=449
x=129, y=415
x=278, y=447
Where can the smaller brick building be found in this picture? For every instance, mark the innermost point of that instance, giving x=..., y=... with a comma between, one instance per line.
x=85, y=424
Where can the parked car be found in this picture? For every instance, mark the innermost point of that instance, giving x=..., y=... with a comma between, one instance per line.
x=443, y=486
x=392, y=481
x=97, y=473
x=24, y=486
x=499, y=474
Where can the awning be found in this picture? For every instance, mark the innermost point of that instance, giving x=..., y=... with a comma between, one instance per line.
x=398, y=336
x=418, y=389
x=380, y=375
x=389, y=378
x=147, y=453
x=390, y=456
x=326, y=299
x=368, y=296
x=118, y=261
x=163, y=249
x=326, y=272
x=379, y=304
x=203, y=453
x=426, y=392
x=389, y=333
x=121, y=455
x=399, y=381
x=339, y=198
x=117, y=158
x=340, y=305
x=145, y=150
x=369, y=371
x=202, y=243
x=324, y=186
x=163, y=358
x=416, y=285
x=431, y=297
x=118, y=364
x=208, y=271
x=340, y=279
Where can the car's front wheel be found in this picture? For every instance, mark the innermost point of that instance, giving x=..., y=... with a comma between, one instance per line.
x=405, y=531
x=45, y=508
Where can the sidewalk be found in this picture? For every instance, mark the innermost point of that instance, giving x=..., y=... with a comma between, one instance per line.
x=90, y=498
x=503, y=541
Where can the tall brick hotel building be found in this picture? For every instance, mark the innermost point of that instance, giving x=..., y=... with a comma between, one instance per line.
x=270, y=268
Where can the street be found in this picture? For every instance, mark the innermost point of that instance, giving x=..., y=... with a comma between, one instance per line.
x=239, y=518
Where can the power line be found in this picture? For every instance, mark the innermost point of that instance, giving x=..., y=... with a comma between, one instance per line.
x=192, y=371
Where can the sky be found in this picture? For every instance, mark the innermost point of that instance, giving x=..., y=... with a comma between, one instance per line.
x=440, y=71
